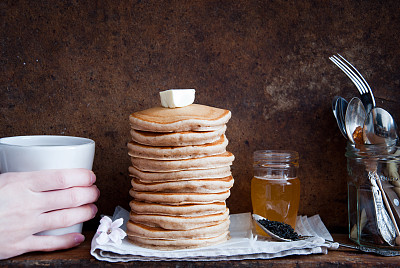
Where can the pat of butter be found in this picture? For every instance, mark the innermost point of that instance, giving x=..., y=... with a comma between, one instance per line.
x=174, y=98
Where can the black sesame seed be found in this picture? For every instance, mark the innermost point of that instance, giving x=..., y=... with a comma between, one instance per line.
x=280, y=229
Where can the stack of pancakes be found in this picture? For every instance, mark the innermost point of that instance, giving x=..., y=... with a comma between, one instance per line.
x=180, y=177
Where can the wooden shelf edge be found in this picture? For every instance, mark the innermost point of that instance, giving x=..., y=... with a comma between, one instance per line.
x=80, y=256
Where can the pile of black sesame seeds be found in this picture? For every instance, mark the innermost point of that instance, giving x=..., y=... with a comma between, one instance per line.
x=280, y=229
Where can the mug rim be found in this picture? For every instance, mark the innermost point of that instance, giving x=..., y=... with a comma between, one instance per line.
x=53, y=141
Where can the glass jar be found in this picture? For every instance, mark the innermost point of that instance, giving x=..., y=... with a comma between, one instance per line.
x=275, y=188
x=373, y=194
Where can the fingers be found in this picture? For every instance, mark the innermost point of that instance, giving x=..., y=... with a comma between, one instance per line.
x=48, y=180
x=64, y=217
x=68, y=198
x=51, y=243
x=26, y=243
x=44, y=200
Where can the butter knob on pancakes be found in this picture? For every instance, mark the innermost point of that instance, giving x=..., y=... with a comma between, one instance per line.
x=181, y=177
x=194, y=117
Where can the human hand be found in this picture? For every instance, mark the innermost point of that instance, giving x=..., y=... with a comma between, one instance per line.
x=31, y=202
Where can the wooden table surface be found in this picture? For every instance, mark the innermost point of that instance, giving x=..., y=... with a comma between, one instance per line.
x=80, y=256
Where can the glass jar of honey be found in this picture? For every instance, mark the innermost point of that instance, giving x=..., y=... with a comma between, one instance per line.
x=275, y=188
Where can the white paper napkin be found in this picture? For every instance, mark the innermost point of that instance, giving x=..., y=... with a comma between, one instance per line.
x=242, y=245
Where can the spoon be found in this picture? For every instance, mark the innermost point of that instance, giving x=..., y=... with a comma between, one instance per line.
x=355, y=118
x=383, y=252
x=343, y=104
x=379, y=127
x=337, y=108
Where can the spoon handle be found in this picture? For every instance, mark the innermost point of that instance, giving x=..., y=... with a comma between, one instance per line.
x=379, y=251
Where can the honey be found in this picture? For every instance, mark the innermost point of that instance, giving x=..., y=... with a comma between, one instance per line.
x=276, y=199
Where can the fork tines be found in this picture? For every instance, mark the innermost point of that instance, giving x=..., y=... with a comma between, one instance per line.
x=363, y=88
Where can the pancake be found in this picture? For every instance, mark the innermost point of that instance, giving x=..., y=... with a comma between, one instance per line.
x=179, y=198
x=179, y=222
x=143, y=231
x=177, y=152
x=212, y=161
x=212, y=173
x=190, y=186
x=177, y=138
x=181, y=210
x=194, y=117
x=162, y=244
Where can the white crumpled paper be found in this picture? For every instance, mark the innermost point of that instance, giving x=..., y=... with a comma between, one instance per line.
x=242, y=245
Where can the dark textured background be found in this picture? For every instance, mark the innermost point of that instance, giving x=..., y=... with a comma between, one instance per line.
x=81, y=67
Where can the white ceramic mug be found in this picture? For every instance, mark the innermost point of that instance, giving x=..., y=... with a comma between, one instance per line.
x=32, y=153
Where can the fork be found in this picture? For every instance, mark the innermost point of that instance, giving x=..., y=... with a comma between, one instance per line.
x=367, y=97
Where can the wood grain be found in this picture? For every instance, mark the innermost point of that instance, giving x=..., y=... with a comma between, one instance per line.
x=80, y=256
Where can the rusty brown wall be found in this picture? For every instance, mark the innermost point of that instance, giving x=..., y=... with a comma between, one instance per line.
x=81, y=67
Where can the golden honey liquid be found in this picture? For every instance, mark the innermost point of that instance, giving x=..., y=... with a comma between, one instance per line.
x=276, y=199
